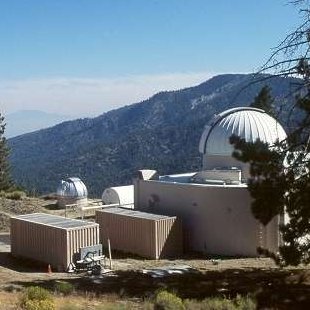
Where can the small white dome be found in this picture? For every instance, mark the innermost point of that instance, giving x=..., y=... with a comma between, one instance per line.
x=73, y=188
x=247, y=123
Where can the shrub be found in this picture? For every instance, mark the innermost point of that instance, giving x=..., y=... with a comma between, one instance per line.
x=245, y=303
x=37, y=293
x=39, y=305
x=168, y=301
x=64, y=288
x=37, y=298
x=15, y=195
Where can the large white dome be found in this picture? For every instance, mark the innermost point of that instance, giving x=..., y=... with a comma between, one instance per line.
x=247, y=123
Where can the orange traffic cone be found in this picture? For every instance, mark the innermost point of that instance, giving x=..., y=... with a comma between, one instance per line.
x=49, y=269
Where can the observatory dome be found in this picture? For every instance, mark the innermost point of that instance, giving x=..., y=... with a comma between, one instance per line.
x=73, y=188
x=247, y=123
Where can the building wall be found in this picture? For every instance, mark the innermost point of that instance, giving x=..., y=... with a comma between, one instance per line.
x=217, y=161
x=216, y=220
x=151, y=238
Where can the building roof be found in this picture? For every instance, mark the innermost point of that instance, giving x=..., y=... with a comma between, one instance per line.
x=72, y=187
x=247, y=123
x=134, y=213
x=53, y=220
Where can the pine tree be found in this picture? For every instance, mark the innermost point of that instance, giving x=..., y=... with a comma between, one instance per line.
x=5, y=179
x=264, y=101
x=280, y=176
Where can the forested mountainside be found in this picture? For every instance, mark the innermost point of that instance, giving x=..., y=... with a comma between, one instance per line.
x=160, y=133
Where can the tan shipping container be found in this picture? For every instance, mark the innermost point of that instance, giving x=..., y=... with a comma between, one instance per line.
x=145, y=234
x=51, y=239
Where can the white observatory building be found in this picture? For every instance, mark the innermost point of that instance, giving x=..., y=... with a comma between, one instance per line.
x=71, y=191
x=214, y=204
x=247, y=123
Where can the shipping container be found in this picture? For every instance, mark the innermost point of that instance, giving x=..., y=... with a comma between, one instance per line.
x=51, y=239
x=145, y=234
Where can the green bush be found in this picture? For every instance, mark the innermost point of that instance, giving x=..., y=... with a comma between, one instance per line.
x=245, y=303
x=64, y=288
x=168, y=301
x=37, y=298
x=15, y=195
x=37, y=293
x=39, y=305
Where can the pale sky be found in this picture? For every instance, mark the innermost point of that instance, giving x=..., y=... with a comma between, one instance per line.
x=84, y=57
x=83, y=97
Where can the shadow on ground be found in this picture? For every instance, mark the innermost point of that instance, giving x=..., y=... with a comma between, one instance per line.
x=275, y=288
x=52, y=206
x=20, y=264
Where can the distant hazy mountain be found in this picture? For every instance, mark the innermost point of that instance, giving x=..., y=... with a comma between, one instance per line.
x=25, y=121
x=160, y=133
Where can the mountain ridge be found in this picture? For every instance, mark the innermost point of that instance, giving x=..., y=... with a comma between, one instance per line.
x=161, y=133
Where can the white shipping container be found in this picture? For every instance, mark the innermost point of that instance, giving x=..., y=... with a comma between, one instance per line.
x=51, y=239
x=148, y=235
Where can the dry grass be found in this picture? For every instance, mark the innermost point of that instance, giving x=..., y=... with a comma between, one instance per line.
x=272, y=288
x=11, y=300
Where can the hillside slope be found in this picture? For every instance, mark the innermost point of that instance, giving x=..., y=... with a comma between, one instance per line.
x=160, y=133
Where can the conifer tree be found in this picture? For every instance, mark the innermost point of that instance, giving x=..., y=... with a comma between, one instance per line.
x=280, y=176
x=5, y=180
x=264, y=101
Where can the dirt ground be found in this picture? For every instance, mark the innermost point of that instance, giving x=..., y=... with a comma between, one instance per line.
x=136, y=279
